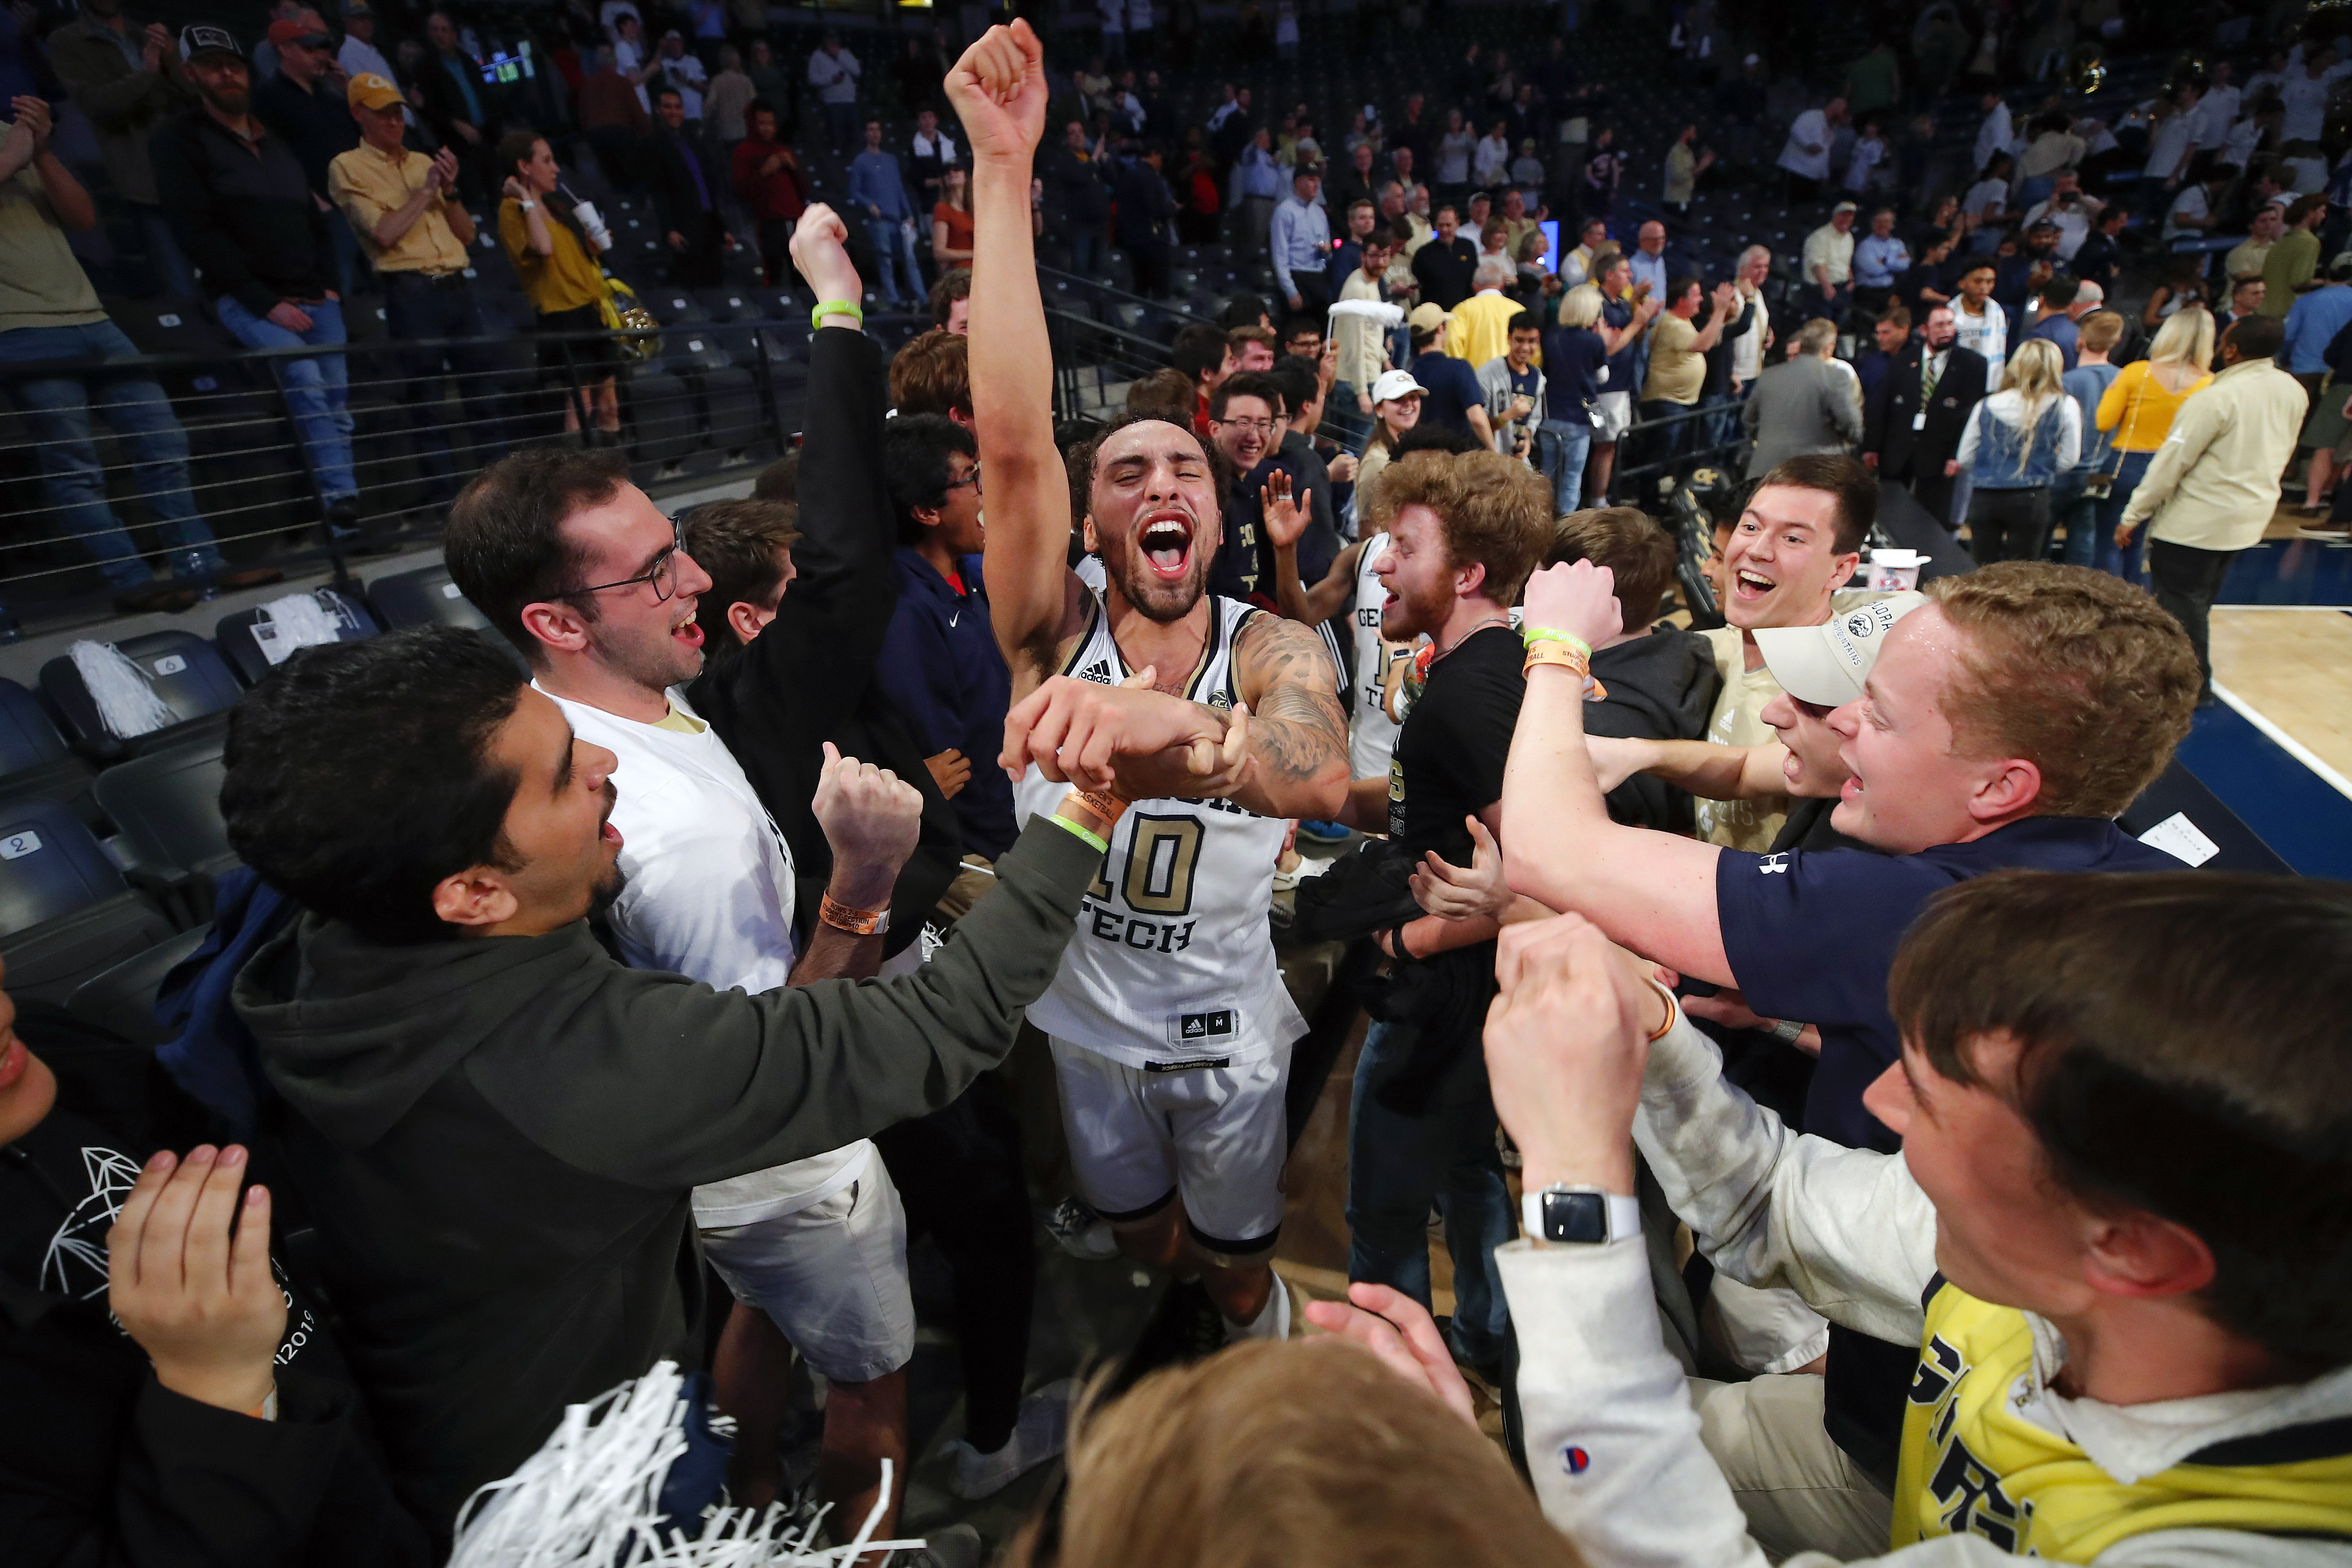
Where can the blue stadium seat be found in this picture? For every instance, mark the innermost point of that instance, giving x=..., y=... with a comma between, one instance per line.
x=249, y=644
x=121, y=999
x=167, y=805
x=66, y=914
x=187, y=672
x=34, y=759
x=425, y=597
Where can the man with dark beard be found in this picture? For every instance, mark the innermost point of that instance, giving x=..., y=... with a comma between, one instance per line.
x=244, y=211
x=1170, y=1024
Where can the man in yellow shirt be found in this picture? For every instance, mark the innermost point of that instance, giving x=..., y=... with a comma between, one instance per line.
x=1482, y=323
x=404, y=207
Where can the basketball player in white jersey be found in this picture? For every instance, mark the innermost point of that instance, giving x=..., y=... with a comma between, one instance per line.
x=1170, y=1026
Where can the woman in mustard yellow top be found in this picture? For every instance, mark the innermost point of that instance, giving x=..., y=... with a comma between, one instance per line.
x=553, y=252
x=2138, y=408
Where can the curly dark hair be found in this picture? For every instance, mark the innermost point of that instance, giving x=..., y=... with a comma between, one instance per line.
x=360, y=776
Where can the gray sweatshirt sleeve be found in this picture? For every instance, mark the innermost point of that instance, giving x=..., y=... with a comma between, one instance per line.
x=660, y=1081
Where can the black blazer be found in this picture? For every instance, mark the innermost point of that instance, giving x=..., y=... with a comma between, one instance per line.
x=809, y=678
x=676, y=201
x=1886, y=419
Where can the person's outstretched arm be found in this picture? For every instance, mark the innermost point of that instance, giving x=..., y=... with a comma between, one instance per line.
x=1699, y=767
x=998, y=88
x=1652, y=892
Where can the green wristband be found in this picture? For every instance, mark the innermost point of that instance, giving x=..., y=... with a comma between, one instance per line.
x=849, y=308
x=1534, y=634
x=1101, y=846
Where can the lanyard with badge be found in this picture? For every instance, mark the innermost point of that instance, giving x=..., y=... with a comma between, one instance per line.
x=1928, y=377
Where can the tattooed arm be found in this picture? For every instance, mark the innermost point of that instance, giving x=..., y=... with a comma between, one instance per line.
x=1297, y=760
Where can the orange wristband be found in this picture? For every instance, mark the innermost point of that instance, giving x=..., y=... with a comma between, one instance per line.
x=857, y=922
x=1567, y=658
x=1105, y=806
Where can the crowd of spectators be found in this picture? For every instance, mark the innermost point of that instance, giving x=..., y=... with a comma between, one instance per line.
x=1851, y=1143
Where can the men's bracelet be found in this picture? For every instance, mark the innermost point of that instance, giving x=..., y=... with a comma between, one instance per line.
x=1787, y=1030
x=857, y=922
x=849, y=308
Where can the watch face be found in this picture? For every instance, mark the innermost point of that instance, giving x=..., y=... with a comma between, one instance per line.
x=1576, y=1216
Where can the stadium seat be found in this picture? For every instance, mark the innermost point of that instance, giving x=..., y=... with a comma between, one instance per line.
x=726, y=304
x=34, y=759
x=662, y=420
x=252, y=647
x=193, y=681
x=66, y=914
x=731, y=398
x=425, y=597
x=121, y=999
x=173, y=839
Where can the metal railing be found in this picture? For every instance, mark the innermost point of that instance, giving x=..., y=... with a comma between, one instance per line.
x=239, y=468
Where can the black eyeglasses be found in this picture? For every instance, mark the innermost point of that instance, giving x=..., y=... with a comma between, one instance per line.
x=662, y=574
x=970, y=477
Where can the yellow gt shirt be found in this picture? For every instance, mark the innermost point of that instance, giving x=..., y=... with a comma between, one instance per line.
x=1973, y=1463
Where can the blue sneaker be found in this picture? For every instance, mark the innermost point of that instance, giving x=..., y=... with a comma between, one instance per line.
x=1323, y=832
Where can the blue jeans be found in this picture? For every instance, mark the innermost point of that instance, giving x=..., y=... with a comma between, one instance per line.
x=318, y=389
x=1561, y=448
x=1089, y=256
x=163, y=252
x=893, y=241
x=2077, y=513
x=57, y=413
x=2127, y=565
x=1398, y=1164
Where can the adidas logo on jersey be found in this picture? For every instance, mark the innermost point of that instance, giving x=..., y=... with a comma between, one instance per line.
x=1099, y=672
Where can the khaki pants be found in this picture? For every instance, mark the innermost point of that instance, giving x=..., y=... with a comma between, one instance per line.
x=1799, y=1490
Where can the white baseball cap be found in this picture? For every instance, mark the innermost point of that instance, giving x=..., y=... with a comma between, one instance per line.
x=1826, y=665
x=1396, y=384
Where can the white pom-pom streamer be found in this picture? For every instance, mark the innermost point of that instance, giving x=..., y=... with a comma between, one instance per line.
x=592, y=1495
x=127, y=703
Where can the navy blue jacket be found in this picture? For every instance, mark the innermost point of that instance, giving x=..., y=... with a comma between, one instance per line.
x=944, y=672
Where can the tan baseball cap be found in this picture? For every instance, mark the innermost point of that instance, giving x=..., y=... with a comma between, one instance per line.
x=1428, y=317
x=369, y=91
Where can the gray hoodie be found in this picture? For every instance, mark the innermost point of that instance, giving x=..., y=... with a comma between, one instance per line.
x=496, y=1139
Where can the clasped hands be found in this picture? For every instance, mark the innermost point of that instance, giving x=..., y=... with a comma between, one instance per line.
x=1139, y=743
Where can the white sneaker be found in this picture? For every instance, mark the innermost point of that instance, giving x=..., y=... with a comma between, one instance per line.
x=1081, y=1232
x=1040, y=1433
x=1273, y=1321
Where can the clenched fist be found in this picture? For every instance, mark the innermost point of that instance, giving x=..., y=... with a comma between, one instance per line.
x=871, y=817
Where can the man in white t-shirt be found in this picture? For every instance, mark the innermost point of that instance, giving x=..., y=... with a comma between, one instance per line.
x=583, y=572
x=1806, y=154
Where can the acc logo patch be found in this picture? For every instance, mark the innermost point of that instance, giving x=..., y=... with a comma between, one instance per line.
x=1575, y=1460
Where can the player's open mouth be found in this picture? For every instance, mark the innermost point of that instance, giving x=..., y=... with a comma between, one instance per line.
x=1166, y=541
x=1751, y=585
x=1850, y=790
x=688, y=631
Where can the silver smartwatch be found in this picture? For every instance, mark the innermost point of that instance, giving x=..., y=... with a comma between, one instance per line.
x=1562, y=1216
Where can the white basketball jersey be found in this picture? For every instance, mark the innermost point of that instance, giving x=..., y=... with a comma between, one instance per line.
x=1372, y=734
x=1173, y=963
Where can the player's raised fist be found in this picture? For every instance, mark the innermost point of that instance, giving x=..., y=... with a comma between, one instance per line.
x=998, y=89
